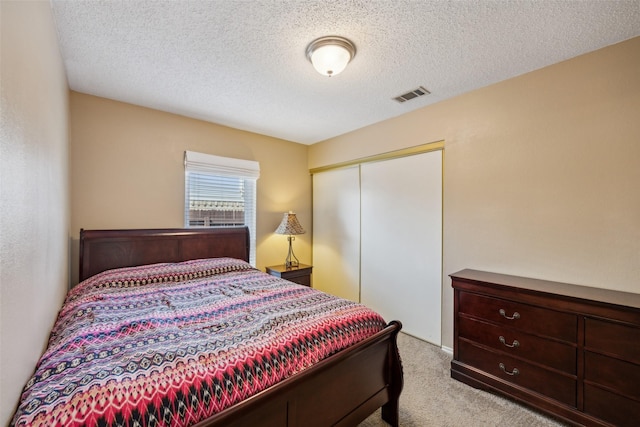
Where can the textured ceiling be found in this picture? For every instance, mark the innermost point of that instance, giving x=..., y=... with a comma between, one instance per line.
x=242, y=63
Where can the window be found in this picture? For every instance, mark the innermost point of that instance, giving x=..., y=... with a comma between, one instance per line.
x=221, y=192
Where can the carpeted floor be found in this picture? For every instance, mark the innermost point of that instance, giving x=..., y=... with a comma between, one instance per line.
x=430, y=396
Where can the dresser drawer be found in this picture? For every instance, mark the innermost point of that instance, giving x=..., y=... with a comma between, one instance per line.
x=618, y=410
x=525, y=317
x=612, y=338
x=520, y=344
x=617, y=375
x=559, y=387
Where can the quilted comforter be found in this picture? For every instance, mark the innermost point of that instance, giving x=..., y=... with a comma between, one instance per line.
x=173, y=344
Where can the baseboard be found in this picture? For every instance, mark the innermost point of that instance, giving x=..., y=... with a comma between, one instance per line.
x=446, y=349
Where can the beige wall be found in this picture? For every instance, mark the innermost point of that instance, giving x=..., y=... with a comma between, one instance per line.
x=34, y=192
x=127, y=171
x=542, y=172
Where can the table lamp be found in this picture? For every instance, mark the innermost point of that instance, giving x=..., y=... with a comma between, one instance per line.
x=290, y=226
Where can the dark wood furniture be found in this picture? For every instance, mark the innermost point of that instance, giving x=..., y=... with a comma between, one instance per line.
x=300, y=275
x=567, y=350
x=341, y=390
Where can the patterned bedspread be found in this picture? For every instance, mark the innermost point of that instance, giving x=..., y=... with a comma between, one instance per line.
x=173, y=344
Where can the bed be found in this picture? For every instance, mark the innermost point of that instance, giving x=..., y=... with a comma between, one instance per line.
x=306, y=373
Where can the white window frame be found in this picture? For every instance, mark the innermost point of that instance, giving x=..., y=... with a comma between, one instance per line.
x=248, y=171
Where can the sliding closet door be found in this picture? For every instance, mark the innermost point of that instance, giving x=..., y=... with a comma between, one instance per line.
x=336, y=232
x=401, y=244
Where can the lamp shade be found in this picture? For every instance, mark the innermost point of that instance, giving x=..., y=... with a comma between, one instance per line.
x=290, y=225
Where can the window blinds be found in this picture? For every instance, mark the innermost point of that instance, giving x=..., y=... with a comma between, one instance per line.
x=216, y=165
x=221, y=192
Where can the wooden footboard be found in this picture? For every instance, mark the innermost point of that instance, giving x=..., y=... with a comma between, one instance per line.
x=342, y=390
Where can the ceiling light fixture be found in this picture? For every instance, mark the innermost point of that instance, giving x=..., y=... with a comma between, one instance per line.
x=330, y=55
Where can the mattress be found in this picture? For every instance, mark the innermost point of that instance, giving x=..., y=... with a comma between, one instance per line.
x=173, y=344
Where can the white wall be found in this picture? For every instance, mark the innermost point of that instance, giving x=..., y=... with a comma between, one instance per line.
x=34, y=194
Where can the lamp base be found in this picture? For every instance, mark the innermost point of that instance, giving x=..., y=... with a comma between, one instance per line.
x=292, y=259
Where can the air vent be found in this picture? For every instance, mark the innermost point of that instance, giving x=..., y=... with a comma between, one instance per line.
x=421, y=91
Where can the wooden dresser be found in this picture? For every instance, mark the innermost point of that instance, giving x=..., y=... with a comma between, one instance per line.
x=571, y=351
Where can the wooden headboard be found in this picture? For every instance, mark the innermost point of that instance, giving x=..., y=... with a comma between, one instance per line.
x=102, y=250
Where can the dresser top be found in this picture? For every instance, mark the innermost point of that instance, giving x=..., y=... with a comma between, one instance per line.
x=537, y=285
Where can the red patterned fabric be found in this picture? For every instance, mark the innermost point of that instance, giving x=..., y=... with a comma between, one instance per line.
x=173, y=344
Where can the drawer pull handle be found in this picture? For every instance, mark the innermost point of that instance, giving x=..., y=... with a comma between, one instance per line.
x=516, y=343
x=503, y=313
x=514, y=372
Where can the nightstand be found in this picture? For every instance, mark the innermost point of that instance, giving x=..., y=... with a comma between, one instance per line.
x=300, y=275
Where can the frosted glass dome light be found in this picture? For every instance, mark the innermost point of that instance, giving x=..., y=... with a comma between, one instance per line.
x=330, y=55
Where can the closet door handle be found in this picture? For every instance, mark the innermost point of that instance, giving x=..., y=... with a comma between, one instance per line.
x=503, y=313
x=516, y=343
x=513, y=373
